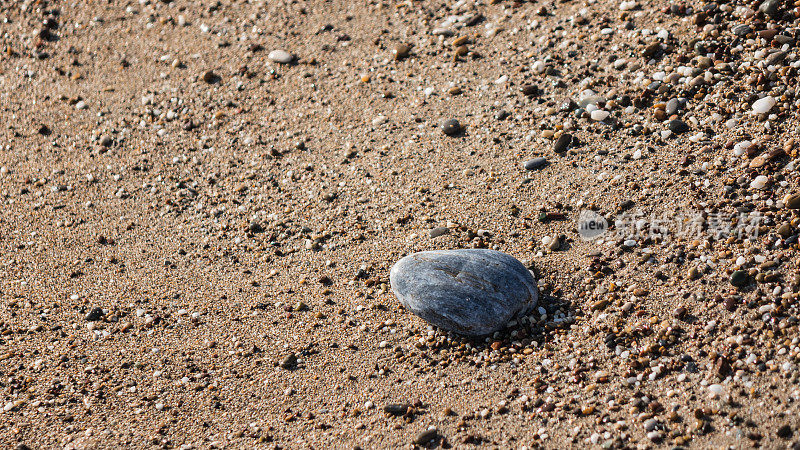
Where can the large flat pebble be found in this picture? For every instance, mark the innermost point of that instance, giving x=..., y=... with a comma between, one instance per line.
x=468, y=291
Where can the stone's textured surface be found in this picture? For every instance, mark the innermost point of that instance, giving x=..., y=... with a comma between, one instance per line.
x=759, y=182
x=280, y=56
x=426, y=436
x=468, y=291
x=776, y=58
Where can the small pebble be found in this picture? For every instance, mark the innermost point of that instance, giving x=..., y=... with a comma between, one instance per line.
x=426, y=436
x=280, y=56
x=763, y=105
x=678, y=126
x=401, y=51
x=792, y=201
x=210, y=77
x=759, y=182
x=535, y=163
x=289, y=362
x=562, y=143
x=438, y=231
x=95, y=314
x=739, y=278
x=451, y=127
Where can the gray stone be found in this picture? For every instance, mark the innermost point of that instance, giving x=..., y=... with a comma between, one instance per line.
x=672, y=106
x=772, y=8
x=397, y=409
x=742, y=30
x=468, y=291
x=438, y=231
x=776, y=58
x=535, y=163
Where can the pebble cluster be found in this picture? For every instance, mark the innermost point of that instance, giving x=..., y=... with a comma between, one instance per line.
x=202, y=201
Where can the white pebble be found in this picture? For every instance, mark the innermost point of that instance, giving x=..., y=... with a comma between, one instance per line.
x=741, y=147
x=280, y=56
x=763, y=105
x=759, y=182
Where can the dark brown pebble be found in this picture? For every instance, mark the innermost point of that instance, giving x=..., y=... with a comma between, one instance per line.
x=397, y=409
x=651, y=50
x=426, y=437
x=562, y=144
x=401, y=51
x=678, y=126
x=451, y=127
x=95, y=314
x=290, y=362
x=785, y=432
x=210, y=77
x=529, y=90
